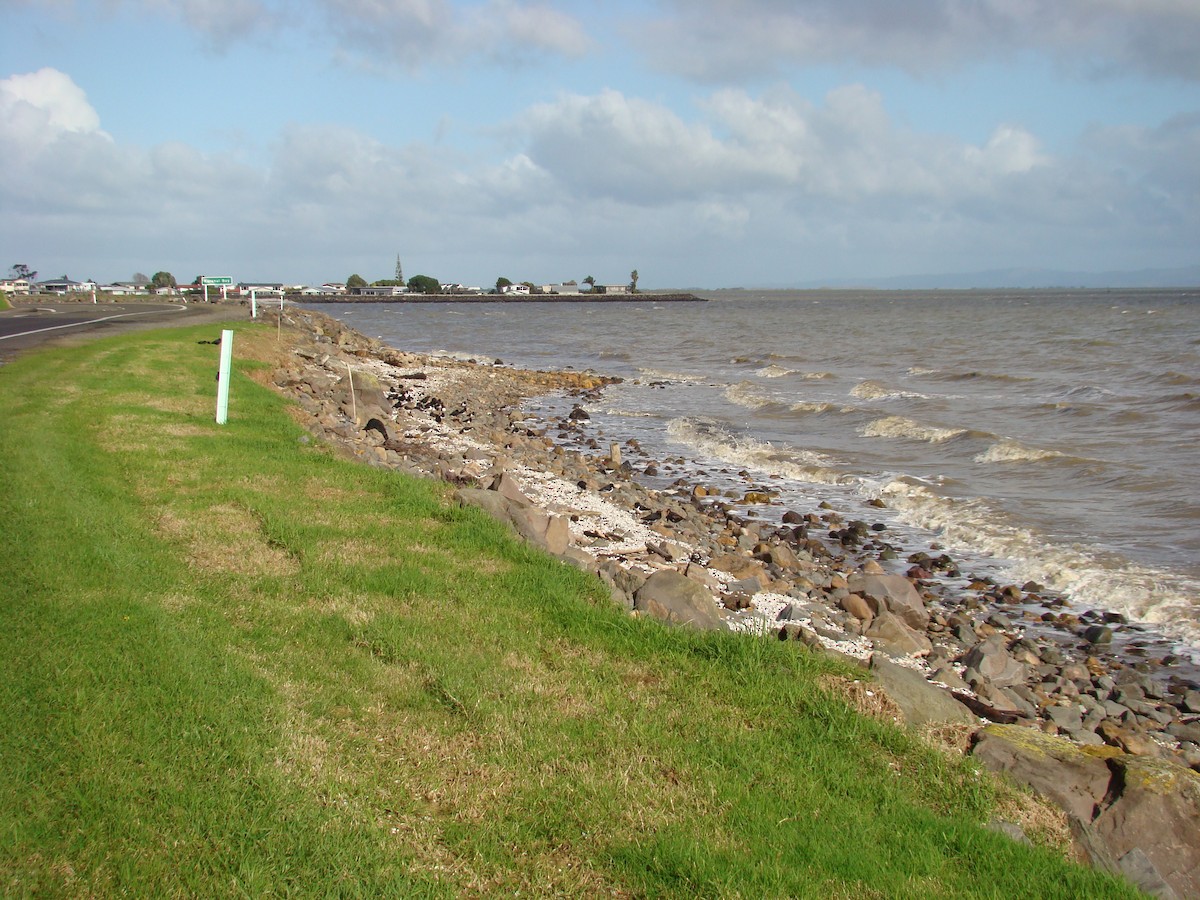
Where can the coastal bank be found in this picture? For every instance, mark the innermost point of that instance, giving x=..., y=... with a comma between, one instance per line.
x=1110, y=739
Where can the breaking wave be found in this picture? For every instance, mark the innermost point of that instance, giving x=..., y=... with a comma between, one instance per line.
x=900, y=427
x=874, y=390
x=1008, y=450
x=710, y=439
x=774, y=371
x=1086, y=575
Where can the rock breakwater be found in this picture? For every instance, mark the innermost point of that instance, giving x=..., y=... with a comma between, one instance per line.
x=1013, y=655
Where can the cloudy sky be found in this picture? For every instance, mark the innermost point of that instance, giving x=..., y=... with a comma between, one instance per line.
x=705, y=143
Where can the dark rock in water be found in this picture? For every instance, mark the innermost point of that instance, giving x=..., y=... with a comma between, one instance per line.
x=1098, y=634
x=578, y=414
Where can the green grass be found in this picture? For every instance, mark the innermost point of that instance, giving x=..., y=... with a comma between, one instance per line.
x=233, y=664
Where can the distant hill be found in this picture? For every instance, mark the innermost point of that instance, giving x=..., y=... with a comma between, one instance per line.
x=1188, y=276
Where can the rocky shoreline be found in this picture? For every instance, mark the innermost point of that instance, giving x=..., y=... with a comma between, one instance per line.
x=1110, y=736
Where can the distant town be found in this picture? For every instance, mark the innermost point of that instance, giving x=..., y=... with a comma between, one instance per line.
x=22, y=280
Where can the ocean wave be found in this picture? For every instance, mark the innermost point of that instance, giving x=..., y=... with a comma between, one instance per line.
x=816, y=407
x=874, y=390
x=679, y=377
x=817, y=376
x=900, y=427
x=747, y=394
x=1176, y=379
x=1088, y=393
x=1008, y=450
x=774, y=371
x=946, y=375
x=711, y=439
x=1084, y=574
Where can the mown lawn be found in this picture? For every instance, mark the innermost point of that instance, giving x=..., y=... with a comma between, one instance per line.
x=233, y=664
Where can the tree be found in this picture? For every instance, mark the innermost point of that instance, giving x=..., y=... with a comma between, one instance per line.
x=424, y=284
x=141, y=279
x=633, y=276
x=590, y=281
x=356, y=281
x=163, y=280
x=20, y=270
x=502, y=283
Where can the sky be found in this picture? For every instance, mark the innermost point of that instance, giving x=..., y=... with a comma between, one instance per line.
x=704, y=143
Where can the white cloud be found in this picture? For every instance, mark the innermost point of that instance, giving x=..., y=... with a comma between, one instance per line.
x=719, y=39
x=59, y=104
x=750, y=187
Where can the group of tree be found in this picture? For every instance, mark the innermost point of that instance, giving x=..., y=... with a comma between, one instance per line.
x=590, y=281
x=418, y=284
x=21, y=271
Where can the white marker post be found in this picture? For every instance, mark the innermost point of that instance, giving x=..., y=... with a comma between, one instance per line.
x=223, y=377
x=253, y=304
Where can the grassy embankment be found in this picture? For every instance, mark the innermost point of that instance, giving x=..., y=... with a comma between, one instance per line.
x=233, y=664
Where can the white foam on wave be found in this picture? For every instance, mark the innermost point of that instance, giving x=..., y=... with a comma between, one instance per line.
x=1008, y=450
x=746, y=394
x=817, y=376
x=711, y=440
x=874, y=390
x=774, y=371
x=812, y=406
x=900, y=427
x=1085, y=575
x=664, y=375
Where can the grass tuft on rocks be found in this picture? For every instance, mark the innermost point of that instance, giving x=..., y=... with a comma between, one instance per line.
x=233, y=664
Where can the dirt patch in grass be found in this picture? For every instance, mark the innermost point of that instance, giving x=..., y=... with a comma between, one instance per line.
x=866, y=698
x=227, y=539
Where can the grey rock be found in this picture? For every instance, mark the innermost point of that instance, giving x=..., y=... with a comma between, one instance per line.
x=991, y=659
x=891, y=631
x=1156, y=811
x=677, y=599
x=896, y=593
x=921, y=702
x=1053, y=767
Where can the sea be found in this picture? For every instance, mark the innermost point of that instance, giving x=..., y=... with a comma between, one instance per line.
x=1046, y=436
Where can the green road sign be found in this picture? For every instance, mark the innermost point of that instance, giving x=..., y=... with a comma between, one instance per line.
x=216, y=279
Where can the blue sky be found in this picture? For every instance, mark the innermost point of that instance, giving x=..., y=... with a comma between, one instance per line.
x=704, y=143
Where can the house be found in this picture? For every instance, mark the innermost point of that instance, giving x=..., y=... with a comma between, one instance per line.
x=15, y=285
x=567, y=287
x=380, y=290
x=261, y=288
x=64, y=285
x=522, y=289
x=610, y=289
x=125, y=288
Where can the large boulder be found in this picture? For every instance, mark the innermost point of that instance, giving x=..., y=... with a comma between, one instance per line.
x=895, y=593
x=675, y=598
x=896, y=637
x=991, y=659
x=1071, y=777
x=921, y=702
x=1156, y=817
x=549, y=532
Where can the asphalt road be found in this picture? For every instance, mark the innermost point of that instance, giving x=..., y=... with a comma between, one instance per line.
x=31, y=325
